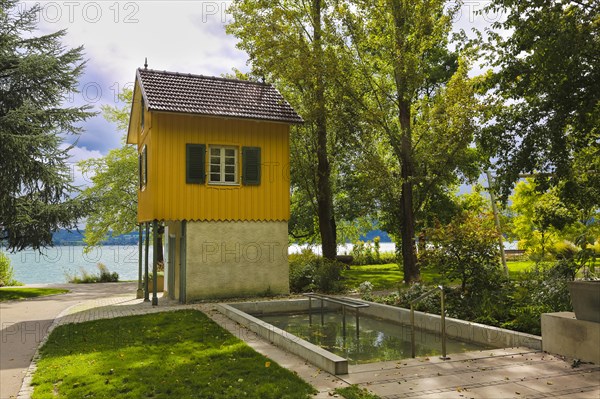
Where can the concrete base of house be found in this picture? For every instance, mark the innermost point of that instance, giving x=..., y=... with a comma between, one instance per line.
x=226, y=259
x=564, y=335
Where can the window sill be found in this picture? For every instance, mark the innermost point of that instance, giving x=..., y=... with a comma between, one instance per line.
x=224, y=184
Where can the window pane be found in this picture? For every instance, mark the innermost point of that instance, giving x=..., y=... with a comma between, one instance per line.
x=215, y=151
x=230, y=169
x=230, y=152
x=215, y=177
x=230, y=178
x=215, y=160
x=215, y=169
x=229, y=161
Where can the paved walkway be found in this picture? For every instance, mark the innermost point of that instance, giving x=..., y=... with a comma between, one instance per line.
x=505, y=373
x=23, y=325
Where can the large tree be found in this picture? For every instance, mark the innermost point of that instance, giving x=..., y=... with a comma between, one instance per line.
x=288, y=44
x=545, y=90
x=417, y=94
x=37, y=73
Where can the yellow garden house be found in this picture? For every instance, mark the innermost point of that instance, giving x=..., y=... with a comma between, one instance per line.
x=214, y=170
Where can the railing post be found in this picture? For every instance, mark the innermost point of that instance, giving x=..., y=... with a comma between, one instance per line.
x=443, y=315
x=309, y=311
x=322, y=319
x=344, y=319
x=412, y=331
x=357, y=323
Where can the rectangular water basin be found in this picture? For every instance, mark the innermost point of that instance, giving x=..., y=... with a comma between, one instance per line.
x=377, y=339
x=384, y=332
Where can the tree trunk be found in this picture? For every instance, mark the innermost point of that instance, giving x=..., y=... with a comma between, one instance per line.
x=403, y=145
x=324, y=195
x=409, y=256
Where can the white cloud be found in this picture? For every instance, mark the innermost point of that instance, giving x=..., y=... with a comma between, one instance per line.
x=79, y=154
x=182, y=36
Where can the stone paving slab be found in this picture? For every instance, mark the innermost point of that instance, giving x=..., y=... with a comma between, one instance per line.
x=506, y=374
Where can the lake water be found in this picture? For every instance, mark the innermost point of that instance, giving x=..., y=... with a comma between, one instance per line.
x=53, y=265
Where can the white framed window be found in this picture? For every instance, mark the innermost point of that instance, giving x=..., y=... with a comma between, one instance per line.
x=223, y=165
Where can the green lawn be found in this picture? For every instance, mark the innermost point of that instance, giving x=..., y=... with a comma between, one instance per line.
x=179, y=354
x=383, y=277
x=389, y=276
x=13, y=294
x=355, y=392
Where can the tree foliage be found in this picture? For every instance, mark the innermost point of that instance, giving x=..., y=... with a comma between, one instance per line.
x=112, y=195
x=416, y=98
x=466, y=249
x=544, y=97
x=295, y=45
x=37, y=73
x=547, y=227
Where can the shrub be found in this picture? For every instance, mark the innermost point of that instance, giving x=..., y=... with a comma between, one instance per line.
x=328, y=276
x=366, y=290
x=6, y=272
x=104, y=276
x=309, y=272
x=302, y=269
x=369, y=253
x=466, y=250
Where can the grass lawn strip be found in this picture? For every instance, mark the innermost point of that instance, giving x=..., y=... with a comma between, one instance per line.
x=14, y=294
x=162, y=355
x=389, y=276
x=355, y=392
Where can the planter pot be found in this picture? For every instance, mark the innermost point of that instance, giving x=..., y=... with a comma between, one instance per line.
x=160, y=284
x=585, y=296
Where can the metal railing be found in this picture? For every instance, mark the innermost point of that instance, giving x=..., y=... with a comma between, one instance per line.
x=443, y=317
x=345, y=302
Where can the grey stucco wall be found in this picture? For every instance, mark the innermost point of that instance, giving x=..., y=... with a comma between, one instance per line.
x=236, y=259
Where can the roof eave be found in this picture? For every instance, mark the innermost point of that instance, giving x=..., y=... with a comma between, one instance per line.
x=286, y=121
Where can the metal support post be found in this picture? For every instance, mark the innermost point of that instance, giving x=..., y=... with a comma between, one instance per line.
x=146, y=277
x=140, y=289
x=155, y=263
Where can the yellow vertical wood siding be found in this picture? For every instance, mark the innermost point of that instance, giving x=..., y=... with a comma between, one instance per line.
x=168, y=197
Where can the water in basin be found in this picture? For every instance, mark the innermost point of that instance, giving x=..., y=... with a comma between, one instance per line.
x=378, y=340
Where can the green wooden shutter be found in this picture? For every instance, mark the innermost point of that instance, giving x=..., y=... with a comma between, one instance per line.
x=251, y=165
x=140, y=170
x=194, y=160
x=145, y=166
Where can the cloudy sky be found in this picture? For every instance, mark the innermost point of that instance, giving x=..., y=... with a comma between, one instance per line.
x=183, y=36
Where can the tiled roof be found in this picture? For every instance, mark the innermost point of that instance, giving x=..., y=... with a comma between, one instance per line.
x=206, y=95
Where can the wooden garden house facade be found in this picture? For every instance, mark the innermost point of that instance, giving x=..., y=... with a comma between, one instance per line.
x=214, y=170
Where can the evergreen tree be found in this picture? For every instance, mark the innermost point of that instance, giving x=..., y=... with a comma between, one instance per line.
x=36, y=75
